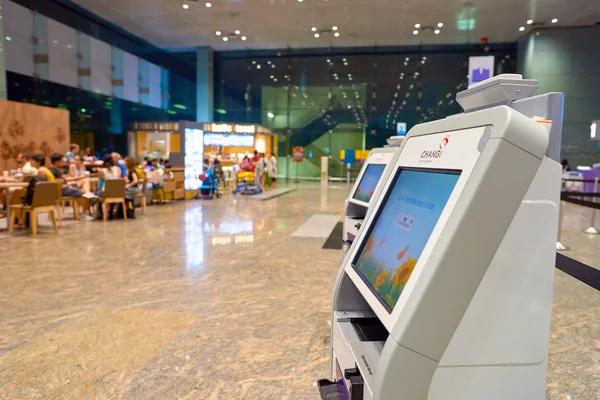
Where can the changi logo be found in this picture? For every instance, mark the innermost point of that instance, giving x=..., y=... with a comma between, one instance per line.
x=436, y=153
x=444, y=142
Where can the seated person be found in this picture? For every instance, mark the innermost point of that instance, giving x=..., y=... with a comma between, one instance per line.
x=108, y=171
x=132, y=187
x=140, y=173
x=119, y=162
x=69, y=187
x=24, y=162
x=157, y=177
x=79, y=174
x=73, y=151
x=208, y=183
x=89, y=156
x=147, y=165
x=38, y=162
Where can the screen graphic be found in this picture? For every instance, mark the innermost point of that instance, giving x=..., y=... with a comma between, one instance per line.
x=368, y=183
x=401, y=230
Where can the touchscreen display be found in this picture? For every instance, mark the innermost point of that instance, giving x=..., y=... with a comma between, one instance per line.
x=401, y=229
x=368, y=183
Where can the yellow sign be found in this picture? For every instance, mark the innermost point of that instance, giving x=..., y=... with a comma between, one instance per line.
x=229, y=128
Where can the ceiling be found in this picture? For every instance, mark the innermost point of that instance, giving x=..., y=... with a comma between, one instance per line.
x=270, y=24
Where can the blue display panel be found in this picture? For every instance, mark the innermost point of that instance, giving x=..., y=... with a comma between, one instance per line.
x=368, y=183
x=401, y=229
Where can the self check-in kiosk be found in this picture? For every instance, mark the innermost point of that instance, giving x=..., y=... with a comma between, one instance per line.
x=446, y=292
x=362, y=194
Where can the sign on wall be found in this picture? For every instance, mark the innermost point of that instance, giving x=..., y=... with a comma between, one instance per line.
x=401, y=129
x=298, y=153
x=480, y=68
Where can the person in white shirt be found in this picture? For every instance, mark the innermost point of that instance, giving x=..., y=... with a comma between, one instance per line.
x=272, y=169
x=25, y=165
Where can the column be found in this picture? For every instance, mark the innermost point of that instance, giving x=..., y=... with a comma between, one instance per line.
x=164, y=88
x=84, y=61
x=40, y=48
x=144, y=88
x=117, y=73
x=204, y=84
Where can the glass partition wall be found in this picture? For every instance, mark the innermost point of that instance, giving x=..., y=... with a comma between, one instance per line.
x=328, y=100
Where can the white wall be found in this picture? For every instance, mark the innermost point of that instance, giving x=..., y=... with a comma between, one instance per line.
x=101, y=66
x=62, y=54
x=154, y=85
x=131, y=84
x=18, y=31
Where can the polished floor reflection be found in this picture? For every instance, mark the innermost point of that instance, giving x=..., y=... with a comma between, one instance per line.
x=212, y=300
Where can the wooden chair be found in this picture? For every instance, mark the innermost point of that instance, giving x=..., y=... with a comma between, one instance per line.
x=44, y=201
x=63, y=201
x=114, y=193
x=142, y=195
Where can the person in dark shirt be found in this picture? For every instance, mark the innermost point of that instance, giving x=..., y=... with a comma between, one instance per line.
x=69, y=187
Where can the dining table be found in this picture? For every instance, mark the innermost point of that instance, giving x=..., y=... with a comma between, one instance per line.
x=7, y=186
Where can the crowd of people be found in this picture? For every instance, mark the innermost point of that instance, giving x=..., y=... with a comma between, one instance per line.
x=264, y=168
x=74, y=171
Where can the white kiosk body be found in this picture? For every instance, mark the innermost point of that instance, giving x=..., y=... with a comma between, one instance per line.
x=363, y=192
x=446, y=293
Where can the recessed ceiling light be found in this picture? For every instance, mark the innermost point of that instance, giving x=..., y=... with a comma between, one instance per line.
x=337, y=34
x=314, y=29
x=237, y=32
x=300, y=1
x=209, y=5
x=415, y=32
x=334, y=28
x=225, y=38
x=343, y=59
x=275, y=80
x=8, y=38
x=218, y=33
x=316, y=35
x=272, y=76
x=258, y=66
x=185, y=6
x=521, y=29
x=437, y=31
x=273, y=66
x=554, y=20
x=269, y=62
x=440, y=24
x=529, y=21
x=346, y=64
x=328, y=61
x=253, y=62
x=243, y=37
x=417, y=26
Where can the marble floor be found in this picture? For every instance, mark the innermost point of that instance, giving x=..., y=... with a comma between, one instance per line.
x=213, y=300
